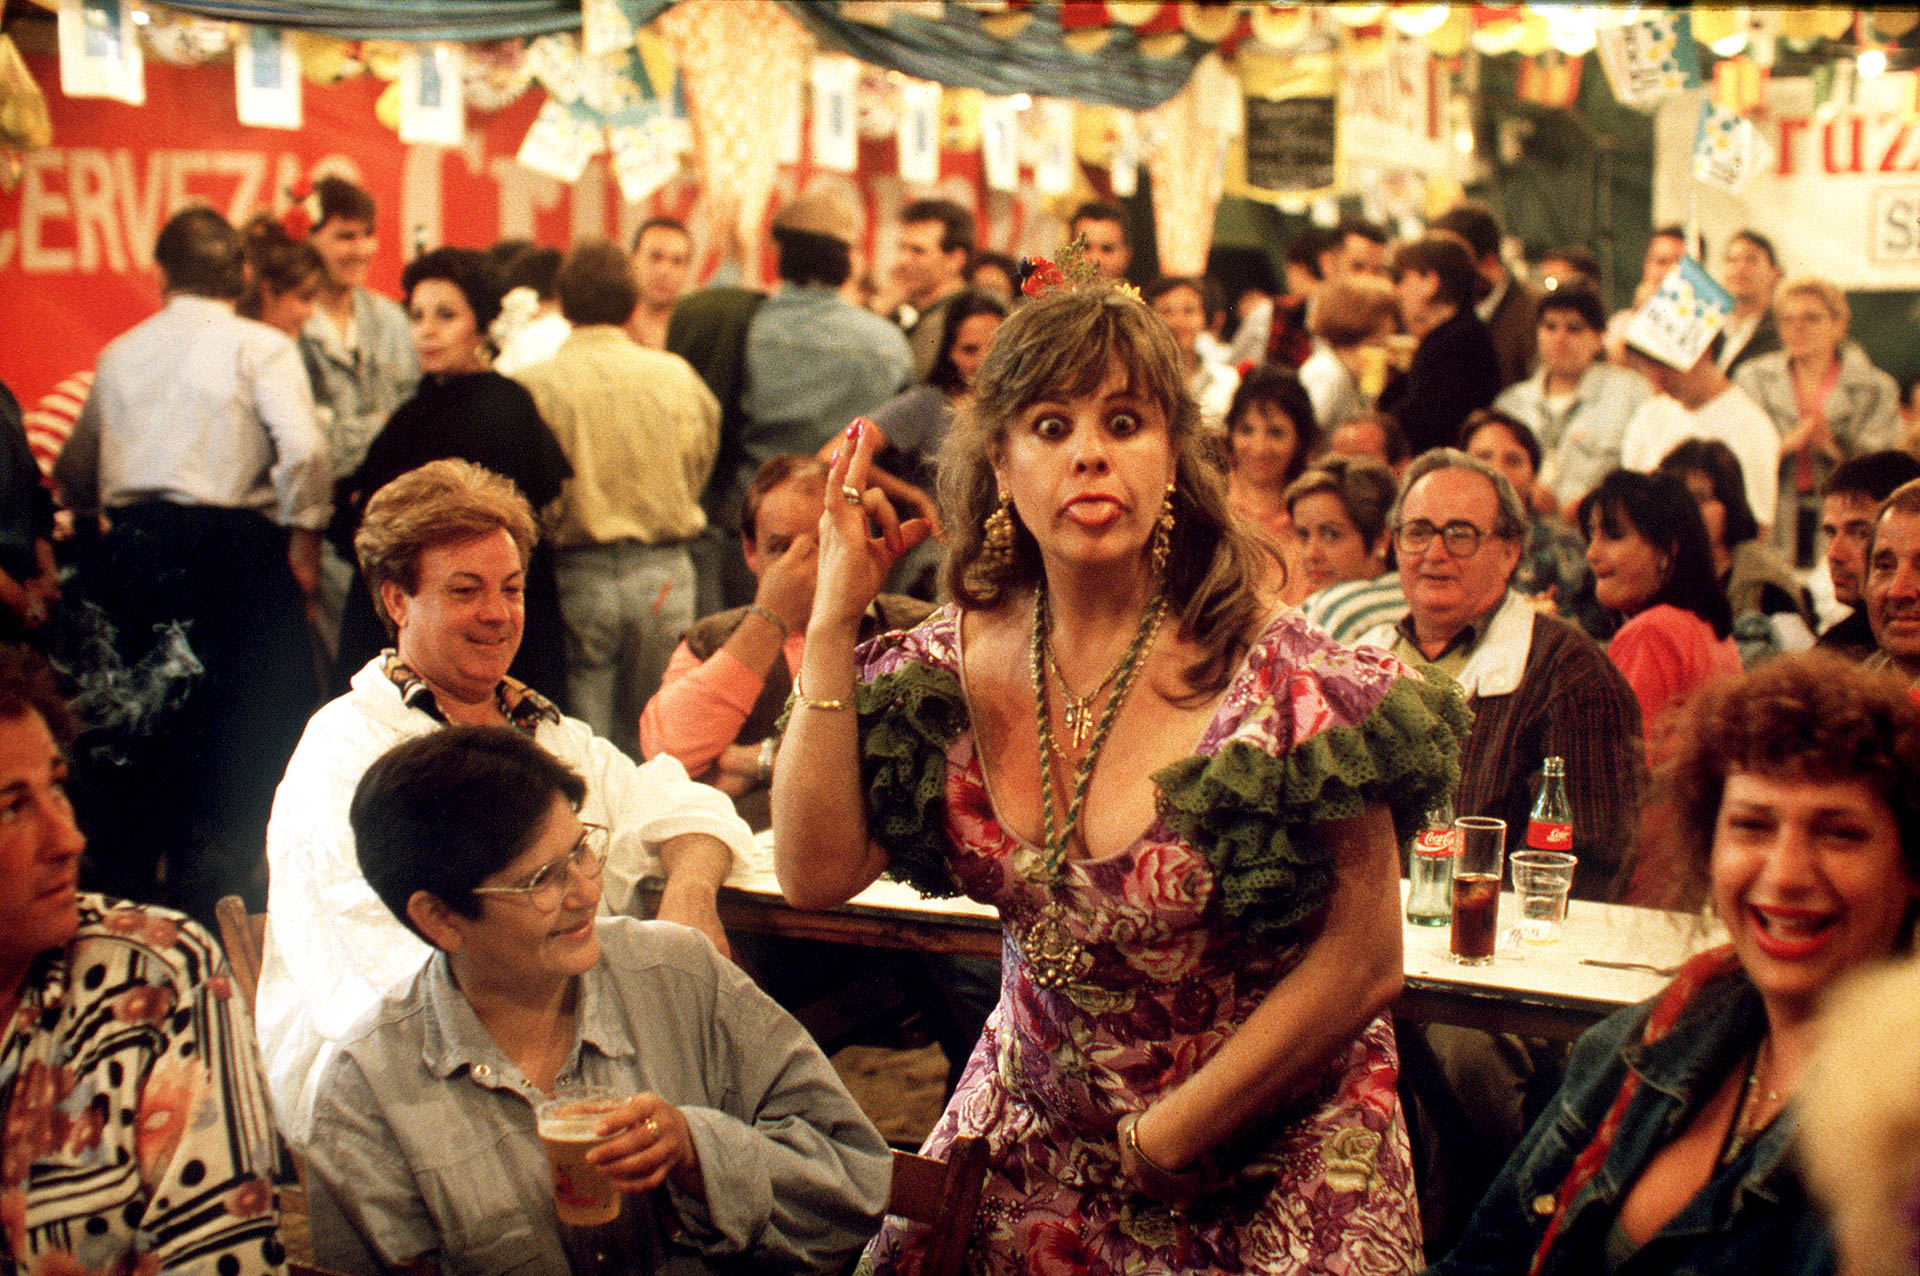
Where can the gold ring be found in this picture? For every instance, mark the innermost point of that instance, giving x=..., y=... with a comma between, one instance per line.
x=850, y=494
x=652, y=1127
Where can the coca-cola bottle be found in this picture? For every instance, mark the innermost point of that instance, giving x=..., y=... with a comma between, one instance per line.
x=1430, y=869
x=1550, y=827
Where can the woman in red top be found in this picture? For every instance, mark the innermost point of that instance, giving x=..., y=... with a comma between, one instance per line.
x=1652, y=562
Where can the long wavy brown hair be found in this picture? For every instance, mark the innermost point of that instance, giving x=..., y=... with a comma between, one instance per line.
x=1063, y=345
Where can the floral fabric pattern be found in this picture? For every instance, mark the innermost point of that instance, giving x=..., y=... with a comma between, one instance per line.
x=1161, y=978
x=135, y=1132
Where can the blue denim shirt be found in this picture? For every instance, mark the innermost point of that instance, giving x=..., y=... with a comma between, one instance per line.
x=1753, y=1215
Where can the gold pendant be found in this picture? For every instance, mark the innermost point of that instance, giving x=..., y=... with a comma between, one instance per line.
x=1054, y=955
x=1077, y=717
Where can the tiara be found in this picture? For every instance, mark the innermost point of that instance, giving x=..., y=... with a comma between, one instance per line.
x=1037, y=276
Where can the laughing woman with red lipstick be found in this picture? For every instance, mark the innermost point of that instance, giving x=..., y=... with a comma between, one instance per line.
x=1667, y=1150
x=1181, y=798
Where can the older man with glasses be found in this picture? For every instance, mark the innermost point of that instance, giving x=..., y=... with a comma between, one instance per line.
x=1537, y=685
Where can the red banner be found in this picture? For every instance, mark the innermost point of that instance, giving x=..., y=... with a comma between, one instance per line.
x=76, y=236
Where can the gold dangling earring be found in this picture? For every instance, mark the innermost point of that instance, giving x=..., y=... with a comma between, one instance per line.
x=996, y=541
x=1162, y=543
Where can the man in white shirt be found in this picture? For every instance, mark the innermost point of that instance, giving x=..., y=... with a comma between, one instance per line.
x=199, y=443
x=1700, y=403
x=444, y=547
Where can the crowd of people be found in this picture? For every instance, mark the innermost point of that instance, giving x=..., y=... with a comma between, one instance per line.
x=1158, y=618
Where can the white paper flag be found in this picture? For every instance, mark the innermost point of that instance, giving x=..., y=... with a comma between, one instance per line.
x=561, y=142
x=1678, y=323
x=266, y=78
x=432, y=111
x=1649, y=57
x=1053, y=166
x=606, y=26
x=1000, y=143
x=1727, y=149
x=919, y=138
x=836, y=140
x=1125, y=171
x=644, y=156
x=99, y=53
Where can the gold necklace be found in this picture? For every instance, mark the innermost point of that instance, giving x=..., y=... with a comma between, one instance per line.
x=1054, y=955
x=1076, y=712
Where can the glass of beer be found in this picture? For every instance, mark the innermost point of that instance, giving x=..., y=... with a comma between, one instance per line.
x=1479, y=852
x=568, y=1123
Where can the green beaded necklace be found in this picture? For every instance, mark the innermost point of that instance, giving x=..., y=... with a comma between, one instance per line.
x=1122, y=677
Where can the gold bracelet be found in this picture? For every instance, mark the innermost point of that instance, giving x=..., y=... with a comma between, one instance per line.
x=826, y=706
x=1155, y=1179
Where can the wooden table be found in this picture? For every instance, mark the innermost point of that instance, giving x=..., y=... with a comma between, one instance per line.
x=1538, y=990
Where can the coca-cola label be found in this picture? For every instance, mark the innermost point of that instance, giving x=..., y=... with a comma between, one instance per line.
x=1542, y=836
x=1434, y=843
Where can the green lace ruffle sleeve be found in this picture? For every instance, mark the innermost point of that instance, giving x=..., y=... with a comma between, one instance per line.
x=908, y=717
x=1251, y=814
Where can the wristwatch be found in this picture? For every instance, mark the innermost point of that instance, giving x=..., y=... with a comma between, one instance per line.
x=766, y=760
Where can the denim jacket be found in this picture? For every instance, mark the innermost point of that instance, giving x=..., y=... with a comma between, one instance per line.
x=1752, y=1215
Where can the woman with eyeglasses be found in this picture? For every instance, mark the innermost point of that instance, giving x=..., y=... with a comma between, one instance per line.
x=728, y=1138
x=446, y=547
x=1828, y=400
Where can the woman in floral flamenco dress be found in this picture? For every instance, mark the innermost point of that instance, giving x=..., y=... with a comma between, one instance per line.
x=1182, y=799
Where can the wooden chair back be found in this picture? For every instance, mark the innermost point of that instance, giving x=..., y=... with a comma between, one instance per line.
x=944, y=1195
x=244, y=936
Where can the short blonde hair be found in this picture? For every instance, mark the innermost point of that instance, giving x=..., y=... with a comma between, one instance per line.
x=1828, y=295
x=443, y=502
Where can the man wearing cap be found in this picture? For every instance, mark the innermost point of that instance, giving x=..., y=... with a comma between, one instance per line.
x=1700, y=403
x=813, y=361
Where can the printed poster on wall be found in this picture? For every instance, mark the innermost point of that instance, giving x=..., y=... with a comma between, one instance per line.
x=1650, y=57
x=99, y=52
x=1837, y=189
x=1290, y=148
x=1680, y=320
x=266, y=79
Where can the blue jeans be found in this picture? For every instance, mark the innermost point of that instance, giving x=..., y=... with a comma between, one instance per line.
x=626, y=605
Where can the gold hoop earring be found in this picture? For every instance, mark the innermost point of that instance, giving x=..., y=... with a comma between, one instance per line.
x=1162, y=544
x=996, y=539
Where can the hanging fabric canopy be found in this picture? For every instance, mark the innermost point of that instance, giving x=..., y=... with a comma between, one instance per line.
x=419, y=20
x=956, y=49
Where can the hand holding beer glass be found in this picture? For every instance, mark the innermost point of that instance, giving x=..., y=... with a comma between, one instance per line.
x=1479, y=852
x=602, y=1144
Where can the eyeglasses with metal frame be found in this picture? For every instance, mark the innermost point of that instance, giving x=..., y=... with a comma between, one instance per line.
x=548, y=886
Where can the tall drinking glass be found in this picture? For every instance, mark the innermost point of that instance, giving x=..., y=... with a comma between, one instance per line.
x=1479, y=853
